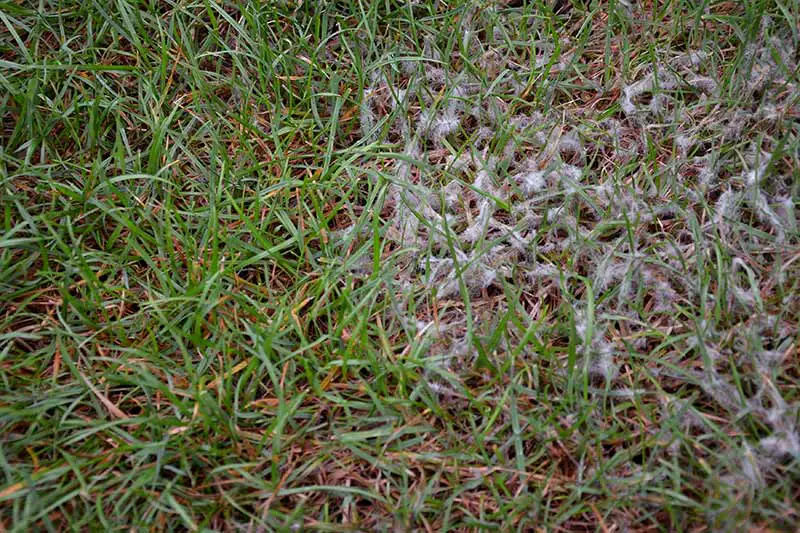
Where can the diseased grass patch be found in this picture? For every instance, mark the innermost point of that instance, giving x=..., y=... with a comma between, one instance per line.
x=414, y=265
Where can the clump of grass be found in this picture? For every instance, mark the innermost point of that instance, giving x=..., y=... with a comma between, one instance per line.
x=437, y=266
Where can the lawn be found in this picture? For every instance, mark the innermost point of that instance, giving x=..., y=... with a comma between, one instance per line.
x=399, y=265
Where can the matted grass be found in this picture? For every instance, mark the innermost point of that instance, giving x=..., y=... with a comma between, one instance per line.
x=399, y=265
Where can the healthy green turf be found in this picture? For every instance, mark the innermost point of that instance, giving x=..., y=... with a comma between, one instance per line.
x=399, y=265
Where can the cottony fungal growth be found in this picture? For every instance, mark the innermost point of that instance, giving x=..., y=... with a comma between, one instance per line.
x=400, y=265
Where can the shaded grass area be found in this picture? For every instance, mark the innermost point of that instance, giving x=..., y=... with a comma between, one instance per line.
x=248, y=282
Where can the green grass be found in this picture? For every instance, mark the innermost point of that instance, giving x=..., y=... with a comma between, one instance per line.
x=211, y=317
